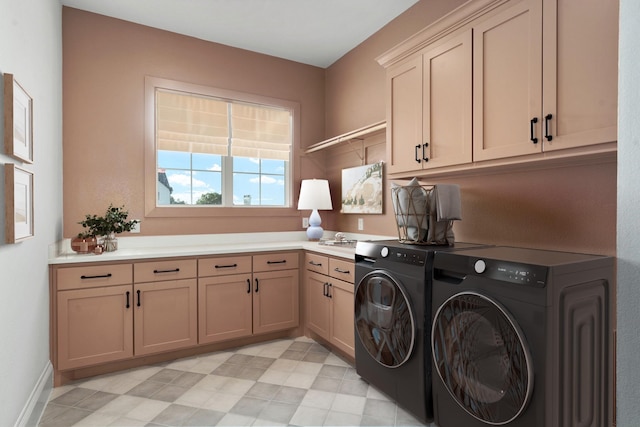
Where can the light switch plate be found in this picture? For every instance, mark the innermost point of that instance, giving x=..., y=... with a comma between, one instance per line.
x=136, y=227
x=360, y=224
x=305, y=222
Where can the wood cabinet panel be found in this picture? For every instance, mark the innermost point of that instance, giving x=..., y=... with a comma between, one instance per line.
x=342, y=269
x=316, y=262
x=92, y=276
x=342, y=316
x=225, y=308
x=94, y=326
x=275, y=261
x=580, y=69
x=275, y=301
x=318, y=304
x=507, y=83
x=171, y=269
x=220, y=266
x=165, y=316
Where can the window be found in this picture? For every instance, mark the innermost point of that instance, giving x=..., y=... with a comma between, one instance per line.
x=214, y=148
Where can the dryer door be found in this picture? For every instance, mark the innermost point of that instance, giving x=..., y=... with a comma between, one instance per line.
x=482, y=358
x=384, y=319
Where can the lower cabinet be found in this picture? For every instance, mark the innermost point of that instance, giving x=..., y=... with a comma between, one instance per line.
x=99, y=319
x=329, y=300
x=247, y=295
x=94, y=325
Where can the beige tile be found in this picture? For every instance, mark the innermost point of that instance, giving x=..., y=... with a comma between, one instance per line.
x=236, y=420
x=318, y=399
x=97, y=419
x=342, y=419
x=300, y=380
x=309, y=368
x=274, y=377
x=221, y=402
x=306, y=416
x=238, y=386
x=147, y=410
x=212, y=382
x=349, y=404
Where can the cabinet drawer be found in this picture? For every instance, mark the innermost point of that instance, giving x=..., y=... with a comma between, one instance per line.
x=155, y=271
x=221, y=266
x=275, y=261
x=317, y=263
x=93, y=276
x=342, y=269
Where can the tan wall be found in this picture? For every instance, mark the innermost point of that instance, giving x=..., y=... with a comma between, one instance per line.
x=104, y=64
x=569, y=208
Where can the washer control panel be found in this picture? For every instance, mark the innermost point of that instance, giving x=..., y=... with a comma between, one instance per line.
x=524, y=274
x=405, y=256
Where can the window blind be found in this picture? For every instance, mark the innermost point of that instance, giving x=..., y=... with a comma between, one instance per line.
x=198, y=124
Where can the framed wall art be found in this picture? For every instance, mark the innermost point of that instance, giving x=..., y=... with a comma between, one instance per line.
x=18, y=190
x=362, y=189
x=18, y=120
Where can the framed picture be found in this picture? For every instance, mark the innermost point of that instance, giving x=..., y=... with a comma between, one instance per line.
x=18, y=121
x=362, y=189
x=18, y=190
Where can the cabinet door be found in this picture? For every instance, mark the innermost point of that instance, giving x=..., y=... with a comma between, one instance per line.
x=447, y=102
x=94, y=326
x=342, y=316
x=507, y=83
x=165, y=315
x=275, y=301
x=580, y=48
x=224, y=308
x=317, y=309
x=404, y=116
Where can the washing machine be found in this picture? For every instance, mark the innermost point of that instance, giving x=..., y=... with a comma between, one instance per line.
x=522, y=337
x=392, y=315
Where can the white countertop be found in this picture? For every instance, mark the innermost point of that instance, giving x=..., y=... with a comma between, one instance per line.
x=142, y=247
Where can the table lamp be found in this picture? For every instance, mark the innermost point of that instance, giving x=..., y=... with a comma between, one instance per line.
x=314, y=195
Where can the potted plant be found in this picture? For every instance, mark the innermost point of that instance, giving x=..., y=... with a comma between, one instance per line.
x=114, y=221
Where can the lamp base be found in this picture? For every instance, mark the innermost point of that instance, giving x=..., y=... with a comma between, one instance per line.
x=314, y=231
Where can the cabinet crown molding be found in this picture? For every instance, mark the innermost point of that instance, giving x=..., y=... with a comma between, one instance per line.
x=449, y=23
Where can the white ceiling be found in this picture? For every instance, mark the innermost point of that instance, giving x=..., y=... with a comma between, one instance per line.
x=315, y=32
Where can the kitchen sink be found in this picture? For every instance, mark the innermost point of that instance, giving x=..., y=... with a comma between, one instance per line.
x=340, y=243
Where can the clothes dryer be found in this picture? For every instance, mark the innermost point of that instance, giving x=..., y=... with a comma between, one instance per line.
x=392, y=315
x=522, y=338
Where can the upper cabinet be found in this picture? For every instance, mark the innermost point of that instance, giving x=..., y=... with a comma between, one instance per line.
x=429, y=107
x=504, y=81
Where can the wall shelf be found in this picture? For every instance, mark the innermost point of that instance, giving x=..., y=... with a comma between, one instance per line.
x=346, y=137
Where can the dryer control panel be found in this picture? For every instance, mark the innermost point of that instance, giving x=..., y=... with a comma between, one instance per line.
x=522, y=274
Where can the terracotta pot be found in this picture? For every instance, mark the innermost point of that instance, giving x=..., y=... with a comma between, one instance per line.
x=84, y=245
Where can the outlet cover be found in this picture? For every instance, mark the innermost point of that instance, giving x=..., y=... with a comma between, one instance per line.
x=305, y=222
x=360, y=224
x=136, y=227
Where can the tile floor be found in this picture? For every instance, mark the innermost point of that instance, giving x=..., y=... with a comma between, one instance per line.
x=279, y=383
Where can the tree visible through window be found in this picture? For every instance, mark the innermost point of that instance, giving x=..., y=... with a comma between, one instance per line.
x=221, y=152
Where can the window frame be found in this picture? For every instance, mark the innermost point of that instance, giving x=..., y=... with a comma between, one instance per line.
x=150, y=153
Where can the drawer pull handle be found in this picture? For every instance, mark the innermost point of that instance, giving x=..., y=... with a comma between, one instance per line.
x=329, y=291
x=338, y=270
x=127, y=306
x=248, y=286
x=416, y=154
x=257, y=287
x=325, y=291
x=175, y=270
x=138, y=292
x=226, y=266
x=533, y=138
x=315, y=264
x=284, y=261
x=101, y=276
x=424, y=156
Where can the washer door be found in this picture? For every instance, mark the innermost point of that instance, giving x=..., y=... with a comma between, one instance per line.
x=481, y=357
x=384, y=319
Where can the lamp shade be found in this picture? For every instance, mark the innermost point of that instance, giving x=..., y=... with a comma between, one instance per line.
x=314, y=194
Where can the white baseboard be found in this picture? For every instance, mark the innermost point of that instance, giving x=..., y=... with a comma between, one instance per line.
x=33, y=409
